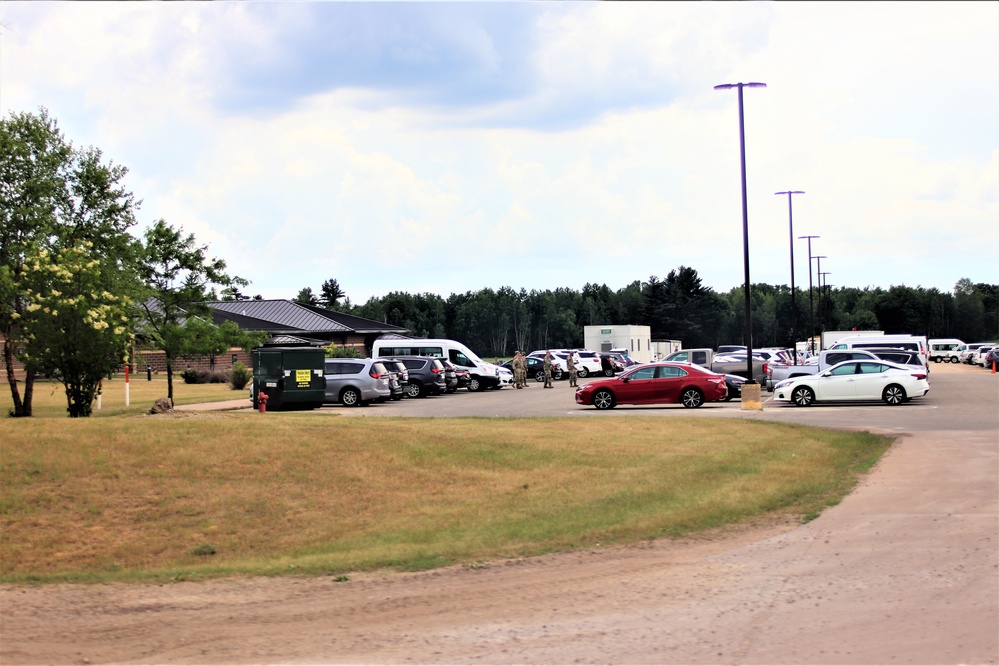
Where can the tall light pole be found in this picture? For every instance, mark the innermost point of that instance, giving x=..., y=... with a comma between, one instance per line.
x=745, y=223
x=811, y=311
x=818, y=275
x=794, y=309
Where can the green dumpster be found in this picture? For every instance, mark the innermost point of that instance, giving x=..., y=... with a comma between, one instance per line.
x=291, y=377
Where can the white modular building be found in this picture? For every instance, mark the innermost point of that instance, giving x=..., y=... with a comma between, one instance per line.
x=635, y=340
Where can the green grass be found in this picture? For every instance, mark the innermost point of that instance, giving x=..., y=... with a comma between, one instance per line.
x=189, y=496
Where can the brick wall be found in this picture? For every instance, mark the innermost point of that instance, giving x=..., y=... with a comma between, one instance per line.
x=157, y=360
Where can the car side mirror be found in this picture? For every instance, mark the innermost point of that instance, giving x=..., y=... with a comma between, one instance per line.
x=626, y=379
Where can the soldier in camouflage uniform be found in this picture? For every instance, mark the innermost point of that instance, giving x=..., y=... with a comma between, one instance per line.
x=571, y=363
x=548, y=369
x=519, y=378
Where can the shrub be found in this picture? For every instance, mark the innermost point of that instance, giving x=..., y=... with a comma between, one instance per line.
x=194, y=376
x=239, y=376
x=342, y=352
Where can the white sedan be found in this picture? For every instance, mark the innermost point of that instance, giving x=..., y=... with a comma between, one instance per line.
x=855, y=381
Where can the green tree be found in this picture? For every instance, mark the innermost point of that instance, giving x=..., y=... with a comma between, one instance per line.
x=75, y=329
x=330, y=294
x=969, y=310
x=176, y=317
x=306, y=297
x=54, y=197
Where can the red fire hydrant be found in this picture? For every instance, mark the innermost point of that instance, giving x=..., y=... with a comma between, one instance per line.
x=262, y=402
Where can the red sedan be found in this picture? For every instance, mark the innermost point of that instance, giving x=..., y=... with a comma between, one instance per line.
x=653, y=384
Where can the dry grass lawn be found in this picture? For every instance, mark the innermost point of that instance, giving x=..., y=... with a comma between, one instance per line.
x=182, y=496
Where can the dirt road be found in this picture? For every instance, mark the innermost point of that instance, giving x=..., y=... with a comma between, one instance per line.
x=905, y=570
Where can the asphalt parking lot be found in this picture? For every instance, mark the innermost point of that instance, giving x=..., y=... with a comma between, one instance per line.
x=961, y=397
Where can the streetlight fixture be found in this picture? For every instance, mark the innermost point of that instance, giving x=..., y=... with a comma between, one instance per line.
x=794, y=309
x=811, y=311
x=745, y=224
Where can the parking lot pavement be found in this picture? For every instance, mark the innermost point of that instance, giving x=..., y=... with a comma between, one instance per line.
x=958, y=397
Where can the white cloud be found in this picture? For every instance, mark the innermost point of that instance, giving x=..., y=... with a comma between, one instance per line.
x=600, y=153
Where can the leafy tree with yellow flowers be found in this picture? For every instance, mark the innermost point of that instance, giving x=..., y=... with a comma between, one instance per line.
x=54, y=197
x=75, y=329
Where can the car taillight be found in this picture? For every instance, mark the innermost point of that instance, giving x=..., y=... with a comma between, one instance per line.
x=375, y=375
x=436, y=370
x=919, y=375
x=766, y=366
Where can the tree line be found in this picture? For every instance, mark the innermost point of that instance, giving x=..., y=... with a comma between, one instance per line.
x=680, y=307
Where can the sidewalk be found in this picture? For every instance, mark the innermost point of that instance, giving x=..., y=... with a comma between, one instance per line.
x=221, y=406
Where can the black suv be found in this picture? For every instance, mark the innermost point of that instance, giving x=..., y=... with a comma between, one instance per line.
x=426, y=375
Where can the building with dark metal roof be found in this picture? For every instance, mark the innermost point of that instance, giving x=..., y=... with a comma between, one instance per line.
x=281, y=317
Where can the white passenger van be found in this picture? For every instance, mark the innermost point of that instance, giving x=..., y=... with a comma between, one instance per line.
x=947, y=350
x=481, y=375
x=914, y=342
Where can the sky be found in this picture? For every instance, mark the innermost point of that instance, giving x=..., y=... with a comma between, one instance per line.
x=447, y=147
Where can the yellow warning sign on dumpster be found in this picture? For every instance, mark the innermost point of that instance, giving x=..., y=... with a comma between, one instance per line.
x=302, y=378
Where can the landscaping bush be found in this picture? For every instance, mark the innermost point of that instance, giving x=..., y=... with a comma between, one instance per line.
x=342, y=352
x=194, y=376
x=239, y=376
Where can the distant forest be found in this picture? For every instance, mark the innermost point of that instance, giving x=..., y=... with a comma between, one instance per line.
x=679, y=307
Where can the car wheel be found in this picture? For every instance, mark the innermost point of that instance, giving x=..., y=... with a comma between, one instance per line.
x=557, y=374
x=603, y=399
x=582, y=373
x=692, y=398
x=893, y=395
x=415, y=390
x=802, y=396
x=350, y=397
x=539, y=376
x=475, y=384
x=608, y=372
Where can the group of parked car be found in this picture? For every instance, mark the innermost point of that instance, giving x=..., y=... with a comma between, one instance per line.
x=355, y=382
x=886, y=369
x=984, y=354
x=889, y=368
x=587, y=363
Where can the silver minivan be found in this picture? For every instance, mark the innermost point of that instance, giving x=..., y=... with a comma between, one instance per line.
x=356, y=381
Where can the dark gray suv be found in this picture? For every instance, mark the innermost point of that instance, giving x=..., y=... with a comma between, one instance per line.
x=426, y=375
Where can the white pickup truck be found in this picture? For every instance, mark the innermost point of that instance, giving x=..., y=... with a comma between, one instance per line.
x=778, y=372
x=719, y=363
